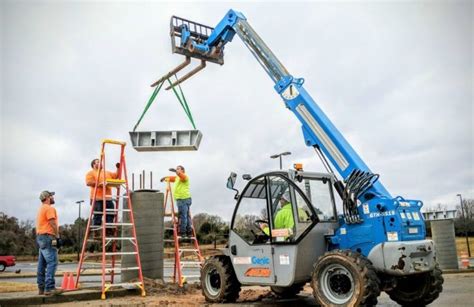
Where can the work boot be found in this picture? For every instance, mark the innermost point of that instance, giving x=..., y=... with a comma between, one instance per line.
x=40, y=291
x=54, y=291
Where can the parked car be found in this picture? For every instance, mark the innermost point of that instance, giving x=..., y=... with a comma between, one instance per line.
x=6, y=261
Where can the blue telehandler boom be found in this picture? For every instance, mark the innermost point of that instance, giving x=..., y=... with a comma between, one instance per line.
x=377, y=243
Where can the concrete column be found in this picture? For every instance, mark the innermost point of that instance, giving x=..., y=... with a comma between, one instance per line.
x=445, y=240
x=148, y=214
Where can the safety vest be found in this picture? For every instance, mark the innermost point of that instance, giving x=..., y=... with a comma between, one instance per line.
x=181, y=188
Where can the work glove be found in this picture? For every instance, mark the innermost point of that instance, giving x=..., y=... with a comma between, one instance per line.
x=172, y=170
x=117, y=165
x=54, y=243
x=163, y=179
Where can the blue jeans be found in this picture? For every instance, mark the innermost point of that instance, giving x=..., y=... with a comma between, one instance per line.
x=183, y=215
x=99, y=206
x=47, y=262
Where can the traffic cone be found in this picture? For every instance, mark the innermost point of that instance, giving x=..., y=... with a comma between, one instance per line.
x=464, y=260
x=71, y=285
x=64, y=281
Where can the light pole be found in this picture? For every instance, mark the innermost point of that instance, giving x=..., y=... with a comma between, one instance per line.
x=79, y=202
x=465, y=225
x=286, y=153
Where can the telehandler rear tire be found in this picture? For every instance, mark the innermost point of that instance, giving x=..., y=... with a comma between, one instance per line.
x=344, y=278
x=218, y=281
x=418, y=290
x=288, y=292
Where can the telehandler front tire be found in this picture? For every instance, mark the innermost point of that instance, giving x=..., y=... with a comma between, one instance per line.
x=344, y=278
x=218, y=281
x=418, y=290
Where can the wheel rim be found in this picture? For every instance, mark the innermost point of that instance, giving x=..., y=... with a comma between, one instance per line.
x=213, y=282
x=337, y=283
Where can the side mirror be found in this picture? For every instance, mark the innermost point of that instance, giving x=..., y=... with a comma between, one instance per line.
x=246, y=177
x=231, y=182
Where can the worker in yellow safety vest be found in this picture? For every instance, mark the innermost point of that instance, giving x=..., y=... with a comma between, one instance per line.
x=182, y=195
x=284, y=217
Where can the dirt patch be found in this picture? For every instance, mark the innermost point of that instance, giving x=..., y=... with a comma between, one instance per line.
x=254, y=295
x=9, y=286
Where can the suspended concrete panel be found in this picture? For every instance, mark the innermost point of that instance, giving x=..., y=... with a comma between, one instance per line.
x=183, y=140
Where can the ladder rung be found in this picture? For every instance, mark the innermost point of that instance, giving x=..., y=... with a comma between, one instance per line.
x=190, y=262
x=169, y=228
x=120, y=253
x=168, y=240
x=115, y=182
x=188, y=249
x=123, y=269
x=119, y=238
x=116, y=197
x=170, y=214
x=95, y=228
x=124, y=284
x=118, y=224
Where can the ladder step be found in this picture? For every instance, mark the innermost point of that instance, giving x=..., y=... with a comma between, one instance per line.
x=118, y=224
x=168, y=240
x=190, y=262
x=111, y=210
x=120, y=253
x=170, y=214
x=124, y=284
x=95, y=228
x=116, y=197
x=119, y=238
x=122, y=269
x=169, y=228
x=188, y=249
x=115, y=182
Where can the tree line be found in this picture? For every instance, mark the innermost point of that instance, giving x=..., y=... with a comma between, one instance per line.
x=18, y=237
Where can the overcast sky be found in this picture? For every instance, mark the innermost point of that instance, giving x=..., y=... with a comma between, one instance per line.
x=395, y=78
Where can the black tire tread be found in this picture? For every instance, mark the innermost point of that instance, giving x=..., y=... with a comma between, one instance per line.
x=427, y=296
x=371, y=283
x=231, y=285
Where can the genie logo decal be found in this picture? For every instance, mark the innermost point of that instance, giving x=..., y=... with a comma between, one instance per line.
x=260, y=261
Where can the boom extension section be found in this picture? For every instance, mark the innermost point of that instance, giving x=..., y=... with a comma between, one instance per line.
x=364, y=197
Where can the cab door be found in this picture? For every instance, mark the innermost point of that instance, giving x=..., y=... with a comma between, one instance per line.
x=250, y=248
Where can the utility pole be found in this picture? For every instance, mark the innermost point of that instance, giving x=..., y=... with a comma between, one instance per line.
x=286, y=153
x=465, y=225
x=79, y=234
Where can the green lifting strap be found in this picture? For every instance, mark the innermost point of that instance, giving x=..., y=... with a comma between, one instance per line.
x=181, y=99
x=150, y=101
x=183, y=102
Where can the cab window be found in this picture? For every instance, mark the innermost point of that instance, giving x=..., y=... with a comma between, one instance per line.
x=319, y=192
x=252, y=213
x=291, y=215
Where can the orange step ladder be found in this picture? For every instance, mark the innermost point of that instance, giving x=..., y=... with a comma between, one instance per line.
x=180, y=253
x=108, y=234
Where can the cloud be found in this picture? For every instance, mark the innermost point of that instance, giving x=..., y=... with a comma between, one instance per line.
x=395, y=78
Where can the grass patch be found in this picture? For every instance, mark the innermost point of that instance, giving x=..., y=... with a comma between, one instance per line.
x=461, y=246
x=8, y=286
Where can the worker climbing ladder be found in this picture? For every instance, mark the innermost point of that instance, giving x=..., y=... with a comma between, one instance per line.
x=108, y=234
x=184, y=247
